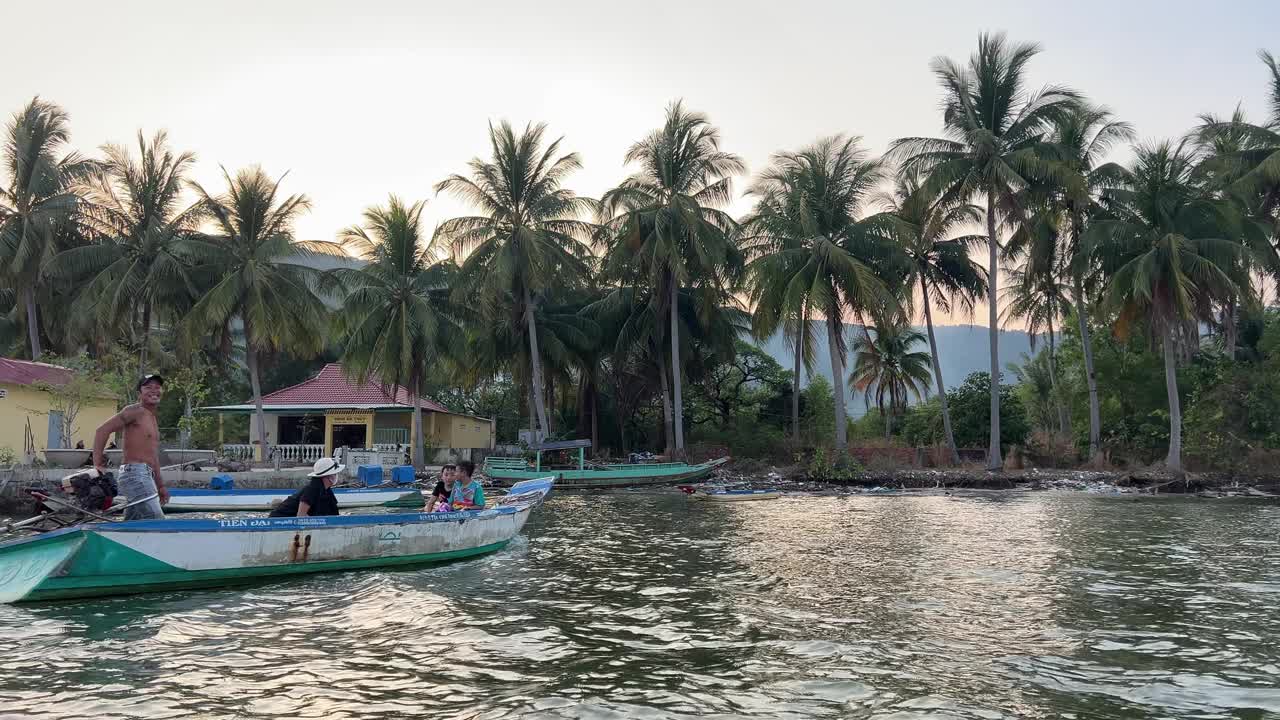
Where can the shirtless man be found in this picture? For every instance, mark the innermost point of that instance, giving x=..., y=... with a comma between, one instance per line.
x=140, y=466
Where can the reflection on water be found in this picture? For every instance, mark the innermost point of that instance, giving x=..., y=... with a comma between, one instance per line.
x=644, y=605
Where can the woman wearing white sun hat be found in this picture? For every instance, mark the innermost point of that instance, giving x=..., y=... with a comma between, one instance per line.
x=317, y=497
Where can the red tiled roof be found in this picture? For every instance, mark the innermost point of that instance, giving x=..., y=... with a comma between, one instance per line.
x=25, y=372
x=331, y=387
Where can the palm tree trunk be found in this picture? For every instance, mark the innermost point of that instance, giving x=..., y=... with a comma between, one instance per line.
x=677, y=404
x=535, y=364
x=667, y=434
x=595, y=420
x=937, y=375
x=801, y=333
x=146, y=337
x=419, y=452
x=1095, y=413
x=837, y=382
x=33, y=322
x=251, y=359
x=1173, y=460
x=1229, y=329
x=994, y=461
x=1064, y=423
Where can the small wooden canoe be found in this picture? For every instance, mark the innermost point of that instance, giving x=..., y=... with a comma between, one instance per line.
x=735, y=495
x=153, y=555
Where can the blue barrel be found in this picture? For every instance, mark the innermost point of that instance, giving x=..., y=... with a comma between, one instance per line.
x=222, y=482
x=402, y=474
x=369, y=475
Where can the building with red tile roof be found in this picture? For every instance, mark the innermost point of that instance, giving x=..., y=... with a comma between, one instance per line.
x=334, y=410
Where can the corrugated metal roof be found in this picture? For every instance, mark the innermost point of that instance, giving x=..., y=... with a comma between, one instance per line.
x=25, y=372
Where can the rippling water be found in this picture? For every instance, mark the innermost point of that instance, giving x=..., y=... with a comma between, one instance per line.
x=650, y=606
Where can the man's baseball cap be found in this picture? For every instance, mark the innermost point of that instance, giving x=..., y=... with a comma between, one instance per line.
x=149, y=378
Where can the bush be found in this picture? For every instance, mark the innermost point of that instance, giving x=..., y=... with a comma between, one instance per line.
x=8, y=456
x=825, y=464
x=970, y=406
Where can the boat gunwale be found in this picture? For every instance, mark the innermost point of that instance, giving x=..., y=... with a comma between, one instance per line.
x=210, y=492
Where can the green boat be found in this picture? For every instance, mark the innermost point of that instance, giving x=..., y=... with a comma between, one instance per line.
x=586, y=476
x=123, y=558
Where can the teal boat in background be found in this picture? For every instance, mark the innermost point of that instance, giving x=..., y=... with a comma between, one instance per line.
x=587, y=476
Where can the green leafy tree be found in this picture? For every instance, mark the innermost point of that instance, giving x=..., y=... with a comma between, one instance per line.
x=249, y=268
x=888, y=367
x=820, y=408
x=141, y=259
x=926, y=227
x=527, y=239
x=396, y=317
x=665, y=225
x=1167, y=252
x=994, y=132
x=808, y=218
x=971, y=412
x=1081, y=138
x=38, y=205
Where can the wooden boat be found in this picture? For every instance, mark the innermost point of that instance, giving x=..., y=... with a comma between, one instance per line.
x=715, y=495
x=152, y=555
x=590, y=476
x=209, y=500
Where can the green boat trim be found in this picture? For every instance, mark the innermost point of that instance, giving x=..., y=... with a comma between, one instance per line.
x=156, y=578
x=604, y=476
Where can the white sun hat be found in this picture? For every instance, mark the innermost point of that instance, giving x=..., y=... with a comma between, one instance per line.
x=325, y=467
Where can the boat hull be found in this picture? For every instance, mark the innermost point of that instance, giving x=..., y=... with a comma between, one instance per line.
x=737, y=495
x=201, y=500
x=611, y=476
x=154, y=555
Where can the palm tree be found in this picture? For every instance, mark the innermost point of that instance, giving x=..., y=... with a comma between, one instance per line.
x=808, y=212
x=396, y=315
x=708, y=325
x=772, y=247
x=1036, y=298
x=1081, y=138
x=665, y=223
x=251, y=277
x=528, y=238
x=38, y=204
x=923, y=224
x=1164, y=246
x=142, y=259
x=994, y=129
x=887, y=366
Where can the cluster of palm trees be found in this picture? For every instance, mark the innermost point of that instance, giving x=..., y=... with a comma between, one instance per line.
x=656, y=278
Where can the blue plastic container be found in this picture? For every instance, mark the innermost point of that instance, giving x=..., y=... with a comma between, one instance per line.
x=402, y=474
x=222, y=482
x=369, y=475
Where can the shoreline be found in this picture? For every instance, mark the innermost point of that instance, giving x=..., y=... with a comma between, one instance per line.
x=919, y=481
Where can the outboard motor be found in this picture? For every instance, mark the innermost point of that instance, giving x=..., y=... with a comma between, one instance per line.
x=91, y=490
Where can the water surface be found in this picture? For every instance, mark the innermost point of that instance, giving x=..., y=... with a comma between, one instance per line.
x=631, y=605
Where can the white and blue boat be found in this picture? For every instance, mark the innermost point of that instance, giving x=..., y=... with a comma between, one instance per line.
x=121, y=558
x=211, y=500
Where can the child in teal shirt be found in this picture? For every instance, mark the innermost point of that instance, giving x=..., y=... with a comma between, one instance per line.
x=467, y=492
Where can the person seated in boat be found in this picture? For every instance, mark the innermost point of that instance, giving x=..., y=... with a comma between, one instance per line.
x=439, y=500
x=317, y=497
x=467, y=492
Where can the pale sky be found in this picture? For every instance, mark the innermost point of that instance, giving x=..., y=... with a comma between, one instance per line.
x=360, y=99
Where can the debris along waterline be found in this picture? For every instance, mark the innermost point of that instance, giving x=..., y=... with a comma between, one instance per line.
x=1151, y=481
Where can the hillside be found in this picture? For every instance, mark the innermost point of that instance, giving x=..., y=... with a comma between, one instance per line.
x=962, y=348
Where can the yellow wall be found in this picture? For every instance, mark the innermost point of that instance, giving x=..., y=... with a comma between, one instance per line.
x=22, y=403
x=465, y=432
